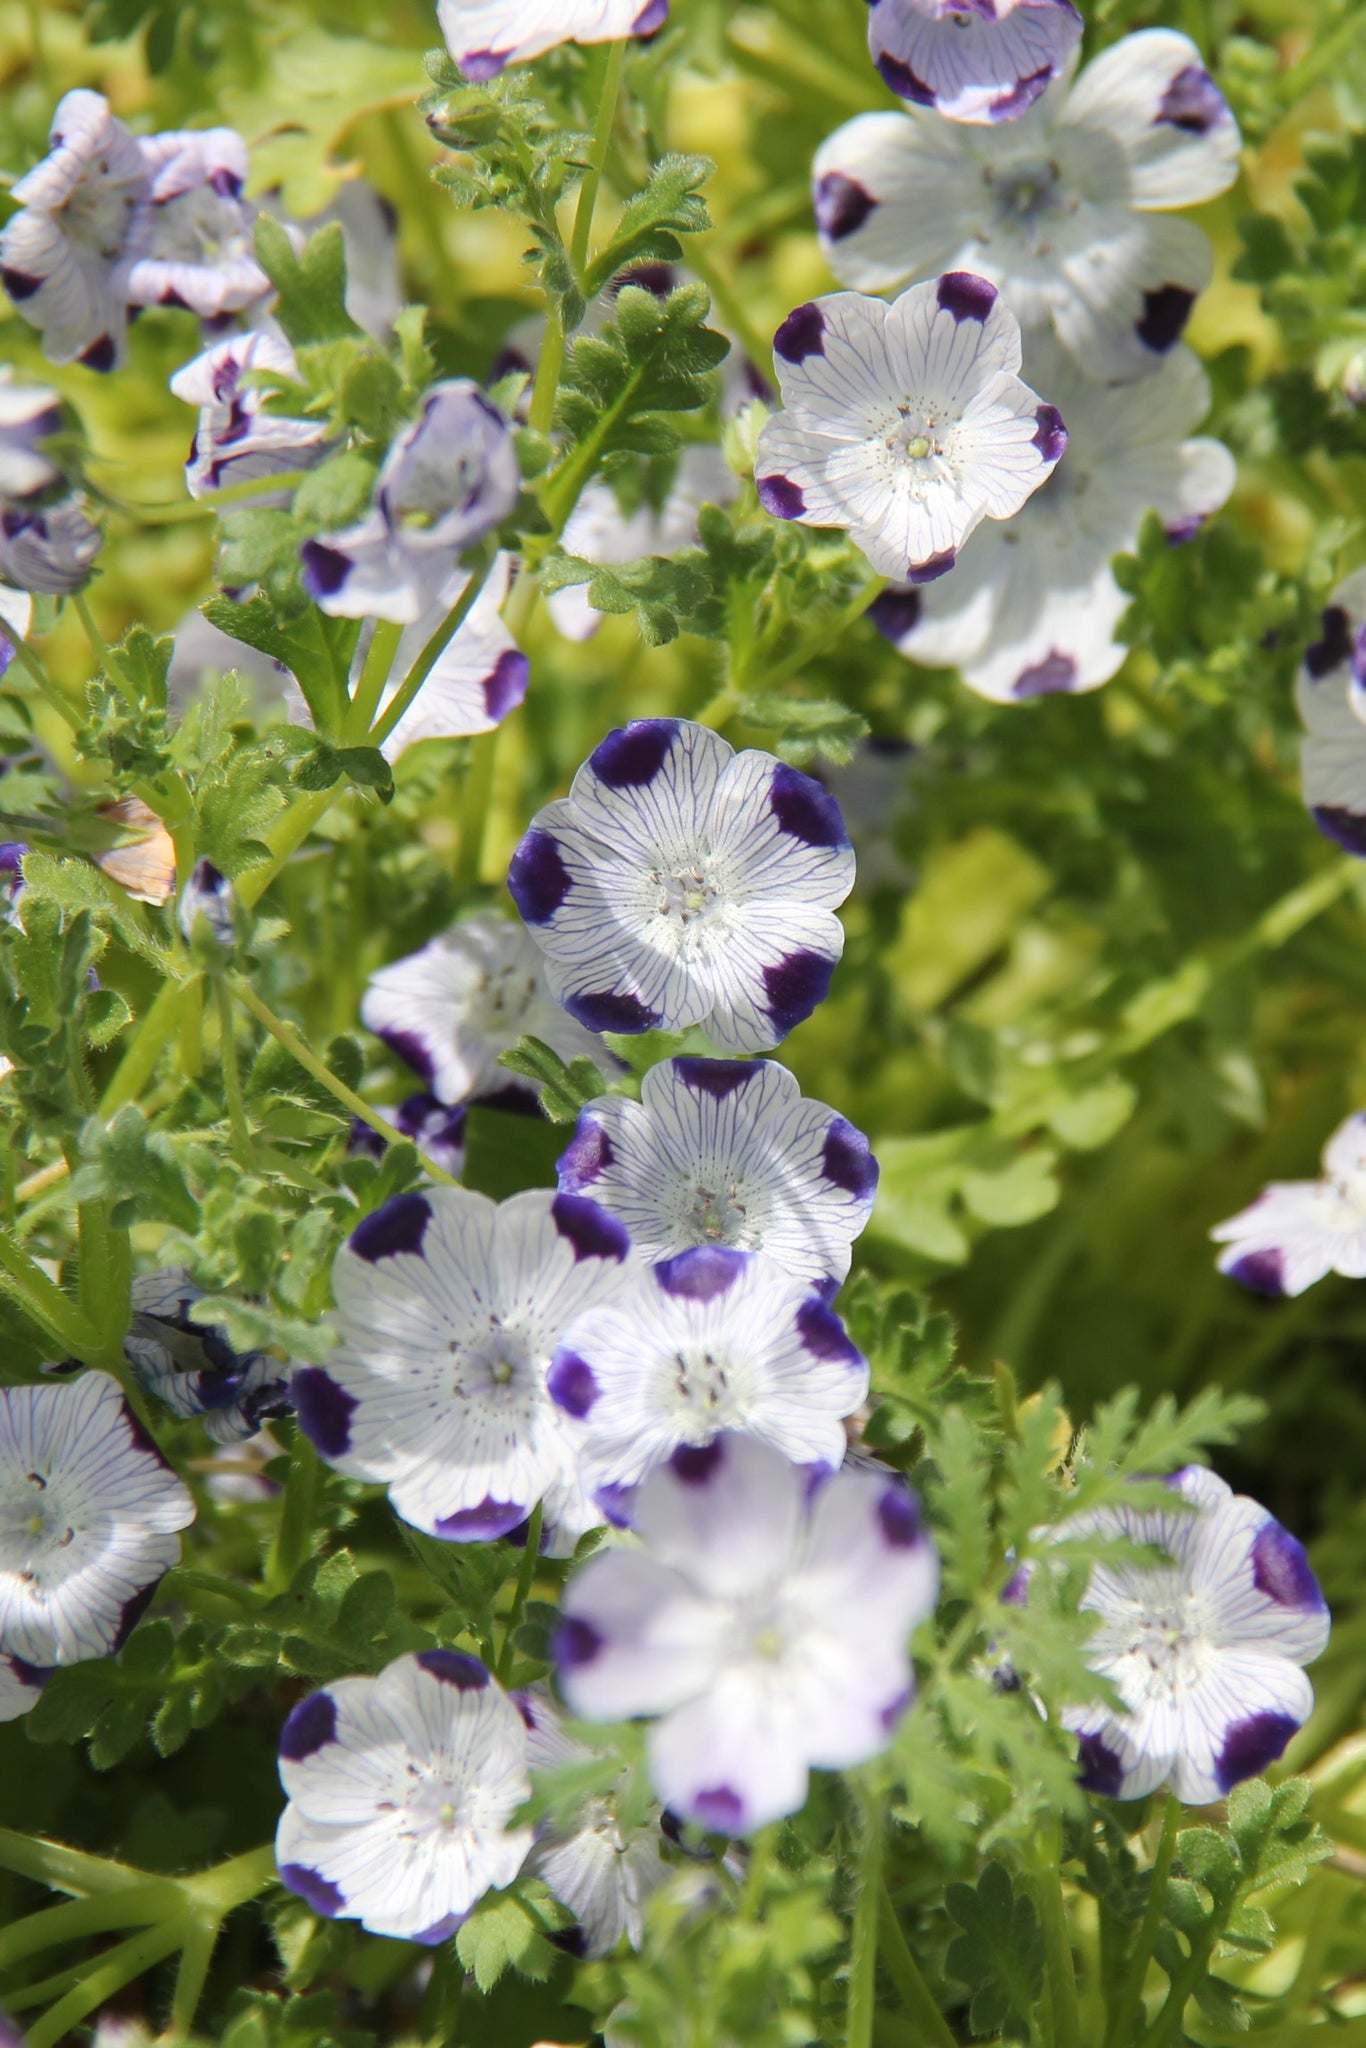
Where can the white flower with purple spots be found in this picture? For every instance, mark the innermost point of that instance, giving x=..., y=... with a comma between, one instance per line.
x=437, y=1130
x=208, y=899
x=479, y=677
x=47, y=550
x=65, y=257
x=1331, y=695
x=16, y=616
x=1297, y=1231
x=907, y=424
x=448, y=480
x=193, y=1368
x=1067, y=211
x=680, y=883
x=972, y=60
x=597, y=1865
x=763, y=1625
x=485, y=35
x=29, y=413
x=1205, y=1652
x=449, y=1309
x=237, y=439
x=89, y=1514
x=1033, y=606
x=401, y=1794
x=20, y=1687
x=198, y=244
x=727, y=1152
x=600, y=531
x=709, y=1341
x=452, y=1008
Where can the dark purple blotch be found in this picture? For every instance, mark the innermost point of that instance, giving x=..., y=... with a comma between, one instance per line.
x=903, y=81
x=965, y=295
x=794, y=986
x=586, y=1157
x=847, y=1159
x=308, y=1726
x=575, y=1642
x=1282, y=1571
x=538, y=880
x=841, y=205
x=101, y=354
x=609, y=1010
x=802, y=334
x=631, y=757
x=481, y=1524
x=804, y=810
x=1054, y=676
x=1335, y=646
x=1049, y=435
x=325, y=569
x=824, y=1335
x=719, y=1810
x=1192, y=102
x=895, y=1708
x=1250, y=1745
x=701, y=1273
x=398, y=1225
x=899, y=1517
x=411, y=1049
x=1015, y=1592
x=591, y=1232
x=652, y=16
x=1262, y=1271
x=895, y=613
x=453, y=1667
x=324, y=1410
x=1183, y=530
x=1345, y=828
x=317, y=1891
x=1165, y=313
x=694, y=1464
x=932, y=568
x=134, y=1608
x=717, y=1078
x=20, y=284
x=572, y=1383
x=481, y=65
x=505, y=686
x=780, y=496
x=1101, y=1769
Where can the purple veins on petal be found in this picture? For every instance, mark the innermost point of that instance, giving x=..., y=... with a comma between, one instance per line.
x=505, y=687
x=324, y=1410
x=802, y=334
x=575, y=1642
x=1101, y=1769
x=1334, y=648
x=899, y=1517
x=316, y=1890
x=308, y=1726
x=1282, y=1571
x=608, y=1010
x=1050, y=434
x=1165, y=313
x=325, y=569
x=824, y=1335
x=453, y=1667
x=717, y=1078
x=538, y=879
x=1250, y=1745
x=780, y=496
x=632, y=756
x=1346, y=828
x=932, y=568
x=572, y=1383
x=1263, y=1272
x=896, y=612
x=481, y=1524
x=399, y=1225
x=794, y=987
x=694, y=1464
x=702, y=1273
x=804, y=810
x=1054, y=676
x=586, y=1157
x=847, y=1159
x=965, y=295
x=719, y=1809
x=1193, y=102
x=841, y=204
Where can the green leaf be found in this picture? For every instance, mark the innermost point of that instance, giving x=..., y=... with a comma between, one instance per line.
x=362, y=767
x=337, y=492
x=134, y=1168
x=652, y=221
x=72, y=1701
x=564, y=1090
x=311, y=287
x=804, y=729
x=999, y=1954
x=1015, y=1194
x=505, y=1153
x=501, y=1935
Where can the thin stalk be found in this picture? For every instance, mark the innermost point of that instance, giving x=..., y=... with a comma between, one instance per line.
x=597, y=155
x=430, y=655
x=526, y=1575
x=195, y=1958
x=99, y=646
x=37, y=674
x=232, y=1077
x=541, y=413
x=229, y=1885
x=379, y=660
x=1128, y=2005
x=45, y=1303
x=62, y=1869
x=474, y=811
x=286, y=839
x=97, y=1984
x=173, y=511
x=756, y=1875
x=154, y=1032
x=1062, y=1971
x=904, y=1972
x=135, y=1906
x=290, y=1548
x=863, y=1944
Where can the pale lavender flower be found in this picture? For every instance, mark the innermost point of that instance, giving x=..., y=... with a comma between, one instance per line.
x=21, y=1686
x=29, y=413
x=479, y=677
x=1331, y=695
x=197, y=249
x=193, y=1367
x=763, y=1627
x=237, y=439
x=680, y=883
x=1299, y=1230
x=972, y=60
x=485, y=35
x=47, y=550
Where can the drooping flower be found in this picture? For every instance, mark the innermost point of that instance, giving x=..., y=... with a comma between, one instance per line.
x=449, y=1308
x=766, y=1627
x=1299, y=1230
x=1331, y=695
x=1033, y=606
x=209, y=898
x=907, y=424
x=448, y=480
x=727, y=1152
x=29, y=413
x=485, y=35
x=1205, y=1652
x=972, y=60
x=1067, y=211
x=601, y=1868
x=464, y=998
x=401, y=1789
x=600, y=531
x=65, y=257
x=478, y=678
x=192, y=1366
x=709, y=1341
x=237, y=438
x=197, y=250
x=47, y=549
x=89, y=1511
x=20, y=1687
x=680, y=883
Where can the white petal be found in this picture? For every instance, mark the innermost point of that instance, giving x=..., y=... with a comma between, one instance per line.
x=1149, y=98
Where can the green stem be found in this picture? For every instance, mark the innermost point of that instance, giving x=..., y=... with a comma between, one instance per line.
x=904, y=1972
x=229, y=1885
x=175, y=510
x=1062, y=1971
x=526, y=1574
x=474, y=810
x=195, y=1958
x=154, y=1032
x=290, y=1549
x=62, y=1869
x=561, y=492
x=286, y=838
x=824, y=637
x=99, y=646
x=609, y=93
x=135, y=1906
x=541, y=413
x=431, y=654
x=43, y=1301
x=375, y=674
x=232, y=1077
x=37, y=674
x=1128, y=2006
x=863, y=1944
x=756, y=1875
x=98, y=1983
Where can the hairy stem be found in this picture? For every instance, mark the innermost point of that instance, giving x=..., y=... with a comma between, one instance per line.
x=863, y=1943
x=904, y=1972
x=431, y=653
x=526, y=1574
x=232, y=1077
x=609, y=93
x=1128, y=2004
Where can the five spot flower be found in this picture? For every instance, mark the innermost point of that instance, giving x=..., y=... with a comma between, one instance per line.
x=1331, y=695
x=485, y=35
x=1299, y=1230
x=972, y=60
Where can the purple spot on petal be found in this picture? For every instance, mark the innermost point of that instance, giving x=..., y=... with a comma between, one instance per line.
x=324, y=1410
x=572, y=1383
x=632, y=756
x=453, y=1667
x=702, y=1272
x=590, y=1230
x=482, y=1524
x=505, y=688
x=1051, y=677
x=1281, y=1570
x=824, y=1335
x=1165, y=313
x=652, y=16
x=325, y=569
x=842, y=205
x=659, y=278
x=904, y=81
x=133, y=1610
x=399, y=1225
x=1101, y=1769
x=804, y=810
x=802, y=334
x=694, y=1464
x=1263, y=1272
x=609, y=1011
x=20, y=285
x=1015, y=1592
x=1346, y=828
x=1184, y=530
x=895, y=613
x=100, y=355
x=411, y=1049
x=480, y=65
x=899, y=1517
x=575, y=1642
x=717, y=1078
x=1334, y=648
x=895, y=1709
x=965, y=295
x=930, y=570
x=1250, y=1745
x=616, y=1503
x=316, y=1890
x=1008, y=106
x=1192, y=102
x=538, y=879
x=780, y=496
x=847, y=1160
x=794, y=987
x=586, y=1157
x=1049, y=435
x=308, y=1726
x=719, y=1810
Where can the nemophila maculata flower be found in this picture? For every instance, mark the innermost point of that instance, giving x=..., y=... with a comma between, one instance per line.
x=1331, y=696
x=47, y=549
x=208, y=900
x=597, y=1864
x=197, y=249
x=708, y=1341
x=449, y=1309
x=66, y=255
x=89, y=1514
x=479, y=677
x=1297, y=1231
x=762, y=1623
x=1067, y=210
x=237, y=440
x=908, y=424
x=483, y=36
x=193, y=1368
x=972, y=60
x=680, y=883
x=21, y=1686
x=448, y=480
x=29, y=414
x=1032, y=607
x=401, y=1792
x=727, y=1152
x=1206, y=1652
x=464, y=998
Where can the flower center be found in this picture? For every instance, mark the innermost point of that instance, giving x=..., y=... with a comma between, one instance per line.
x=685, y=896
x=717, y=1215
x=95, y=217
x=706, y=1391
x=495, y=1364
x=506, y=996
x=33, y=1521
x=1160, y=1644
x=202, y=228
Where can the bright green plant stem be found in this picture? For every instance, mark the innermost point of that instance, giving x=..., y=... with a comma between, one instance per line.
x=1128, y=2006
x=39, y=676
x=290, y=1548
x=476, y=797
x=44, y=1302
x=155, y=1030
x=904, y=1971
x=232, y=1077
x=1057, y=1938
x=284, y=840
x=172, y=512
x=432, y=652
x=526, y=1575
x=373, y=676
x=863, y=1942
x=613, y=66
